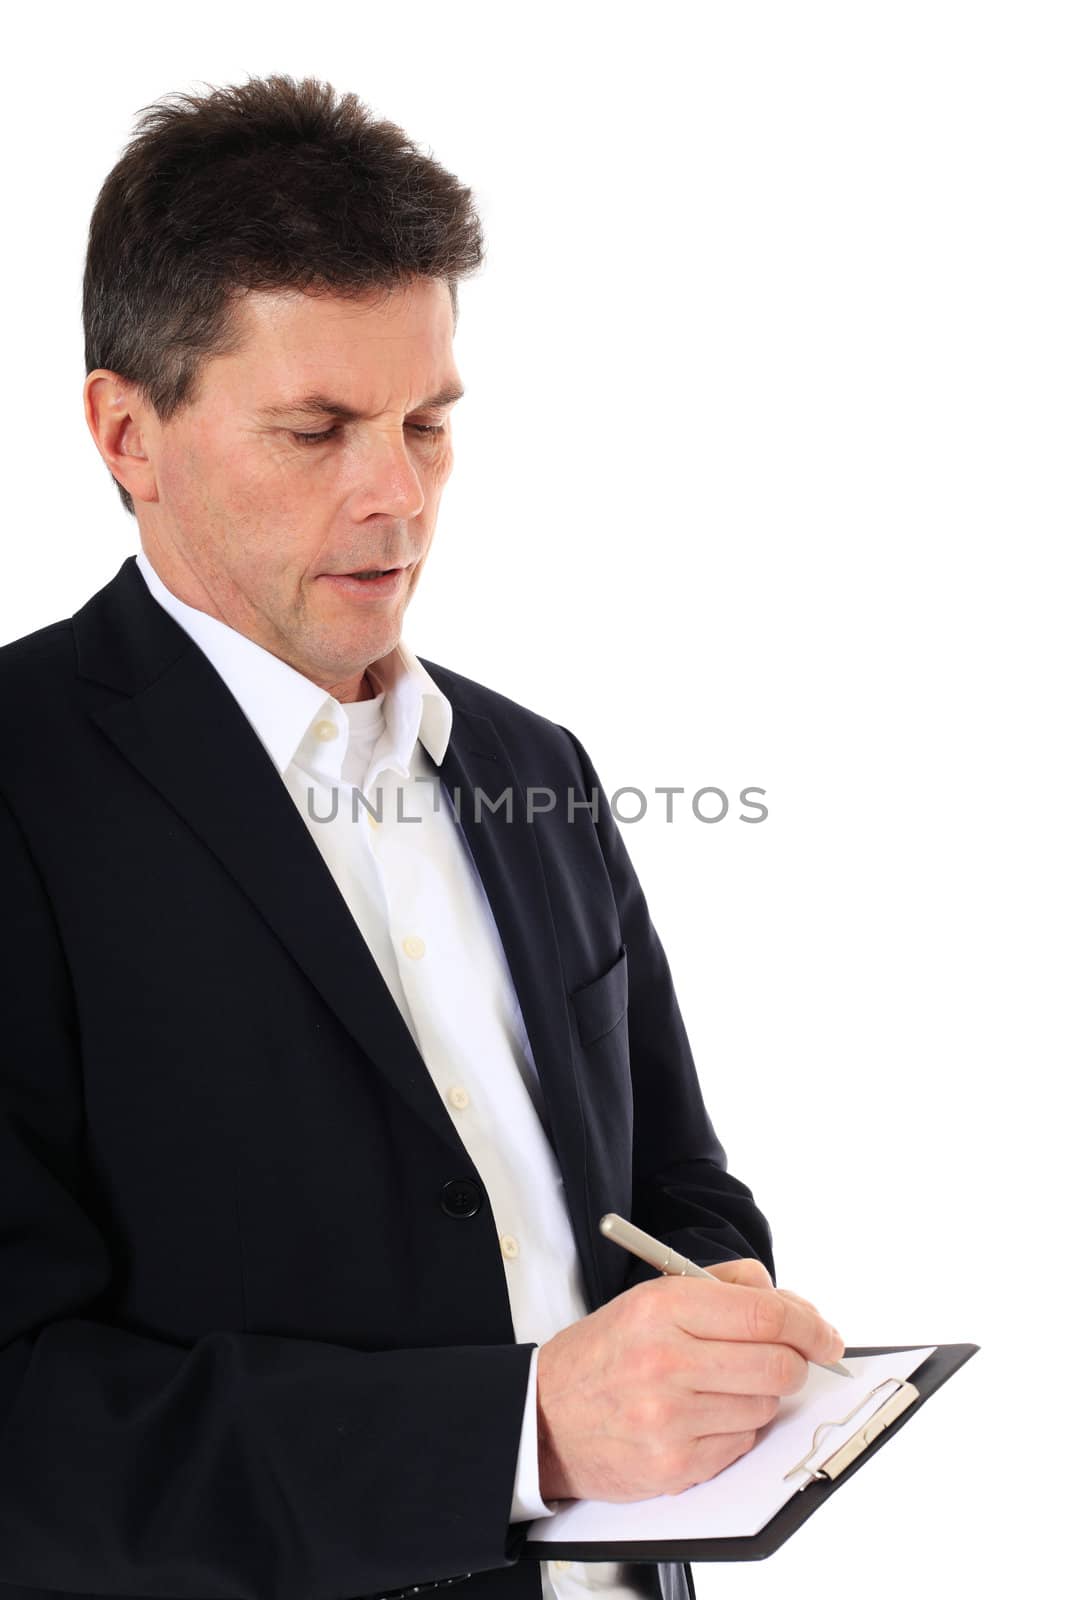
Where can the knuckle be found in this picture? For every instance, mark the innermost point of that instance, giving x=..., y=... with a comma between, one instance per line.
x=766, y=1407
x=768, y=1317
x=798, y=1299
x=799, y=1368
x=645, y=1414
x=639, y=1304
x=653, y=1305
x=670, y=1464
x=650, y=1362
x=787, y=1372
x=676, y=1298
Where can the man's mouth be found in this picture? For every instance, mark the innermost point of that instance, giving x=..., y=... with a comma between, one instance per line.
x=364, y=572
x=367, y=580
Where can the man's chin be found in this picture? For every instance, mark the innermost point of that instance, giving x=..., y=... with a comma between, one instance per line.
x=340, y=668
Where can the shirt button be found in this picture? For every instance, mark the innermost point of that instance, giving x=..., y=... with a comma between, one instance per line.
x=459, y=1097
x=561, y=1566
x=372, y=819
x=326, y=729
x=413, y=946
x=509, y=1246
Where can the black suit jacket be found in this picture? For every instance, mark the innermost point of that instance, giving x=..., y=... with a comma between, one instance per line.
x=255, y=1337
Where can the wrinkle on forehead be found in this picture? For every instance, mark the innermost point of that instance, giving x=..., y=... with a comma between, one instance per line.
x=364, y=356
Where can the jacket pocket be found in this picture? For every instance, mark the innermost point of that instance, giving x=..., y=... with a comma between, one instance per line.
x=600, y=1004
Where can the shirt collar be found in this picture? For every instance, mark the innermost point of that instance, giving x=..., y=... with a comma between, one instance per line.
x=282, y=705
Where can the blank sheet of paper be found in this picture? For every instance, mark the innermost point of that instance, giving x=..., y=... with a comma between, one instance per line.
x=745, y=1496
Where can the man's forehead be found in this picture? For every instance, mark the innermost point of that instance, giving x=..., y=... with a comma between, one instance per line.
x=319, y=352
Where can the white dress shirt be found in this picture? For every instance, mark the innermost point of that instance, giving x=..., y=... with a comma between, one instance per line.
x=417, y=899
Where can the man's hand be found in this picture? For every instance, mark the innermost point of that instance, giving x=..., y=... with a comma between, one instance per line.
x=669, y=1382
x=755, y=1274
x=748, y=1271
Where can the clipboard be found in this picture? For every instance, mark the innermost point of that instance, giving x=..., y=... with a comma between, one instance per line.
x=899, y=1407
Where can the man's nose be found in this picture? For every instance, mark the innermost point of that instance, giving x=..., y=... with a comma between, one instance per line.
x=383, y=477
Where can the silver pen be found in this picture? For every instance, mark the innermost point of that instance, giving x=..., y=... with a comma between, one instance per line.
x=642, y=1245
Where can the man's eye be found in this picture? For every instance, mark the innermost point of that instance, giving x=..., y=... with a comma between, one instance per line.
x=315, y=438
x=426, y=429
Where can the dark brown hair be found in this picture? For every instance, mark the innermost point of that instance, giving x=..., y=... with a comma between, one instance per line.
x=270, y=184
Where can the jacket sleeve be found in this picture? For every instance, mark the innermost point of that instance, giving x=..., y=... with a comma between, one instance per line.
x=682, y=1192
x=242, y=1465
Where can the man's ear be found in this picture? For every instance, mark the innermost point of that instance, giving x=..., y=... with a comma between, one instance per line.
x=118, y=414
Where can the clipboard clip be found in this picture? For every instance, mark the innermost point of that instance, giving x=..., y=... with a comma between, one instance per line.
x=893, y=1407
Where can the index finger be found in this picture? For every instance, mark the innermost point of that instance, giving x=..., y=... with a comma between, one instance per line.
x=746, y=1270
x=711, y=1309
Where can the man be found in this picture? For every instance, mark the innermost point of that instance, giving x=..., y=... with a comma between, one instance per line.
x=317, y=1073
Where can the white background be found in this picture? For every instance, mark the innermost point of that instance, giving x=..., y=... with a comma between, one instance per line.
x=759, y=482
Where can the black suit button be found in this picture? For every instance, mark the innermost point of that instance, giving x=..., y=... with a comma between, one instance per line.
x=460, y=1198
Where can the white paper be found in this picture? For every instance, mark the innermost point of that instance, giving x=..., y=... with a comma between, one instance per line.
x=745, y=1496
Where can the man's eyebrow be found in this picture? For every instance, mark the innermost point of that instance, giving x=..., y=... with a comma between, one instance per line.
x=323, y=405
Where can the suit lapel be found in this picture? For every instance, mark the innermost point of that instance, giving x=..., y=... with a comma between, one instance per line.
x=178, y=724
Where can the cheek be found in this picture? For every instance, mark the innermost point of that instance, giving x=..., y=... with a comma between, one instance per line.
x=188, y=477
x=438, y=472
x=213, y=515
x=215, y=481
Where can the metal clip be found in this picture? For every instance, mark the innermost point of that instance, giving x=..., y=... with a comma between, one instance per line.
x=898, y=1402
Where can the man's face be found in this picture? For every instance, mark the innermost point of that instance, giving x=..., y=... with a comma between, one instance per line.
x=319, y=448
